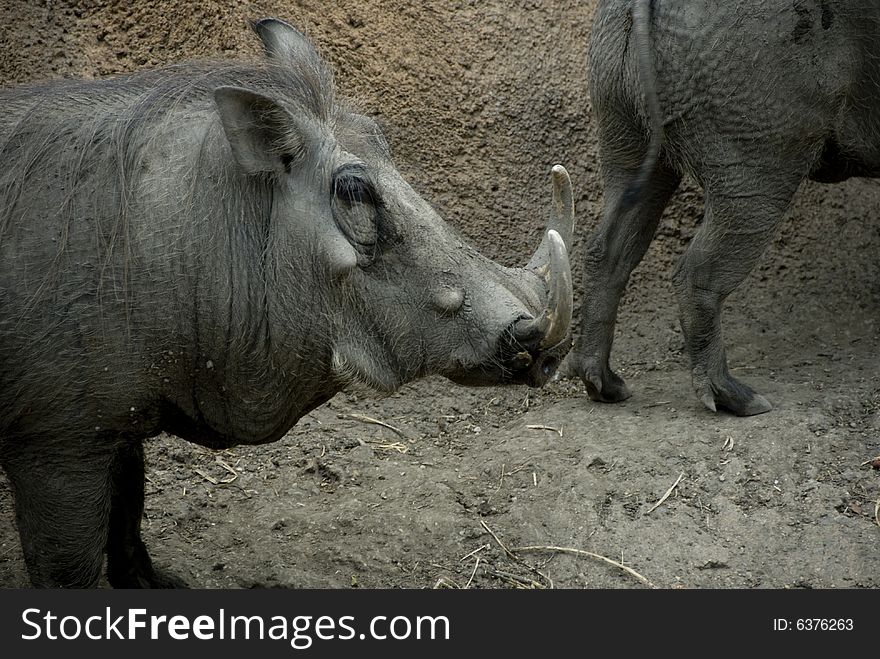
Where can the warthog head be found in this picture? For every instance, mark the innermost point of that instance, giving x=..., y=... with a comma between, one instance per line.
x=399, y=293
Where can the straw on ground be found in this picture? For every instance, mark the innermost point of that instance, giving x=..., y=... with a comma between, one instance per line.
x=540, y=427
x=588, y=554
x=666, y=496
x=377, y=422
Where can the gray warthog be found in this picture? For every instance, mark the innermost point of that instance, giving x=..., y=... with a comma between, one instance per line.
x=213, y=250
x=749, y=98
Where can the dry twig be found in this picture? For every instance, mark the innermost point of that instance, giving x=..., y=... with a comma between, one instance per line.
x=518, y=581
x=539, y=427
x=469, y=581
x=377, y=422
x=206, y=476
x=445, y=582
x=516, y=558
x=509, y=553
x=477, y=550
x=589, y=554
x=400, y=447
x=666, y=496
x=228, y=468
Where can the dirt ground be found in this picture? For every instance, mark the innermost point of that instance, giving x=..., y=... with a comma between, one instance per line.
x=479, y=100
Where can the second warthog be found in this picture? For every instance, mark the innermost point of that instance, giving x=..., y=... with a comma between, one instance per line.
x=749, y=98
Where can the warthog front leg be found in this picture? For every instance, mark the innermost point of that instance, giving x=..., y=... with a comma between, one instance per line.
x=62, y=506
x=612, y=253
x=128, y=562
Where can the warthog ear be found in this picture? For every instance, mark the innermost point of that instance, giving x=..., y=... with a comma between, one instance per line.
x=264, y=137
x=282, y=41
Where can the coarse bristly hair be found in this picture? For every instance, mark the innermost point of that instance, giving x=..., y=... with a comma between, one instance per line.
x=67, y=135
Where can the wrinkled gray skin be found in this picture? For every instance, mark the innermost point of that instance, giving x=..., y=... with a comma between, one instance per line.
x=214, y=250
x=747, y=97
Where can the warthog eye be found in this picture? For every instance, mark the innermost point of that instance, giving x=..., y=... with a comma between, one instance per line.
x=354, y=190
x=356, y=208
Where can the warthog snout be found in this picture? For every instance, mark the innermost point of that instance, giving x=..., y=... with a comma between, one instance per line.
x=538, y=343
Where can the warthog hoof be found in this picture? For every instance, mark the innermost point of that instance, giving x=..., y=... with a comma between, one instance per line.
x=725, y=391
x=603, y=384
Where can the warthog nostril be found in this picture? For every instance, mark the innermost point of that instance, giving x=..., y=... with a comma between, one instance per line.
x=548, y=366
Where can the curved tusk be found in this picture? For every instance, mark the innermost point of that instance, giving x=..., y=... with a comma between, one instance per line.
x=553, y=323
x=562, y=213
x=560, y=298
x=561, y=220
